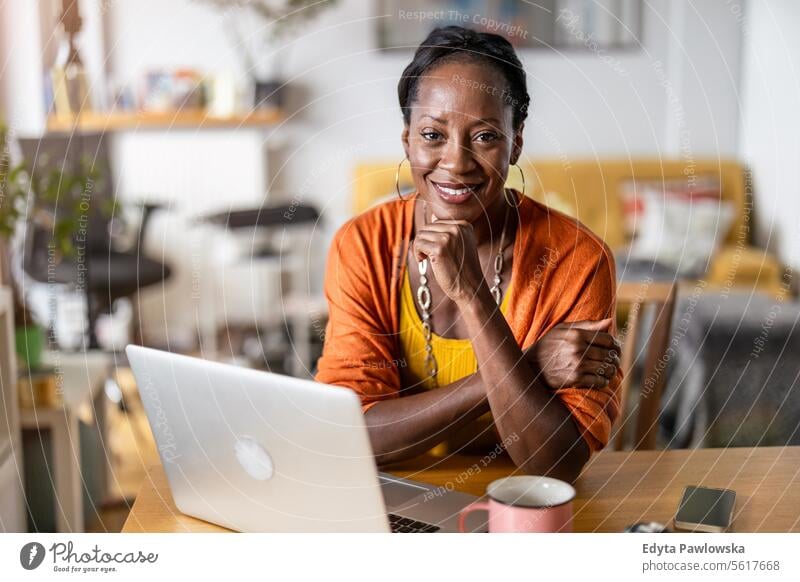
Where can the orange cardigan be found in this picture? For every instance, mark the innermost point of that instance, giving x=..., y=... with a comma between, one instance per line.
x=561, y=272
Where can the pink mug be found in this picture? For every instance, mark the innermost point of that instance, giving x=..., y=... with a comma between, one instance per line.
x=525, y=504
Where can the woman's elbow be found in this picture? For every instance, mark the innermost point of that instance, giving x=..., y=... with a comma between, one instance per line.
x=562, y=462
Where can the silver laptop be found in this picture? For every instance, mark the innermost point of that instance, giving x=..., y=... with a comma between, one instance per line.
x=260, y=452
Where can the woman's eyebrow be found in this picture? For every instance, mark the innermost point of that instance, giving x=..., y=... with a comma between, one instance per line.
x=437, y=119
x=487, y=120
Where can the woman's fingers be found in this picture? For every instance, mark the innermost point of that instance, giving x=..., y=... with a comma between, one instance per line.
x=439, y=243
x=598, y=338
x=601, y=354
x=592, y=325
x=429, y=244
x=591, y=381
x=594, y=332
x=445, y=225
x=590, y=374
x=425, y=248
x=578, y=354
x=602, y=369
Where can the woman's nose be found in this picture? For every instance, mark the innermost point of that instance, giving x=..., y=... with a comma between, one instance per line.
x=457, y=158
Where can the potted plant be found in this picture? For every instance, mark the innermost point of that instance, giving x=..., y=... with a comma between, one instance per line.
x=53, y=198
x=257, y=28
x=28, y=336
x=12, y=203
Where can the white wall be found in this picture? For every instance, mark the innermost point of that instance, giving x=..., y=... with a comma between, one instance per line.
x=676, y=97
x=634, y=103
x=582, y=104
x=770, y=129
x=20, y=69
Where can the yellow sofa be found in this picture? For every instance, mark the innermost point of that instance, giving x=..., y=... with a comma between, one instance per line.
x=590, y=191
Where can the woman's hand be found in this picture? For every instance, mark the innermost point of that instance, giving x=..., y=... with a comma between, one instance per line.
x=580, y=354
x=452, y=253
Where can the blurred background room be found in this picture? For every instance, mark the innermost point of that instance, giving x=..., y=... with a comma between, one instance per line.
x=172, y=173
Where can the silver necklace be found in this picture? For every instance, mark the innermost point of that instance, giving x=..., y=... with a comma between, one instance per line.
x=424, y=300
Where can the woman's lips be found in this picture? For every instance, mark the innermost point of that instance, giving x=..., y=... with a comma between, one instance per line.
x=455, y=193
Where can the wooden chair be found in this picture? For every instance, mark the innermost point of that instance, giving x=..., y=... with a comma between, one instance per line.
x=636, y=296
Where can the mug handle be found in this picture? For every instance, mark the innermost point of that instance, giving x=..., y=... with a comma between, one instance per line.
x=476, y=506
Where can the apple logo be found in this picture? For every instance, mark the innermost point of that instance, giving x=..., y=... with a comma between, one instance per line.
x=254, y=459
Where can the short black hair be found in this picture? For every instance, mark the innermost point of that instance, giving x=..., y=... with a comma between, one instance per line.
x=456, y=42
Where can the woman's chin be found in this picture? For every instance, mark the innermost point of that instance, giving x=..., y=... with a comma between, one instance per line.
x=469, y=210
x=444, y=211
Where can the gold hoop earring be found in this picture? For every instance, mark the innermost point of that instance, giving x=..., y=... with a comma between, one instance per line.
x=397, y=180
x=521, y=175
x=506, y=191
x=509, y=202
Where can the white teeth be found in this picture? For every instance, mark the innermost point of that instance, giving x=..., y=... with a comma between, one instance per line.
x=455, y=191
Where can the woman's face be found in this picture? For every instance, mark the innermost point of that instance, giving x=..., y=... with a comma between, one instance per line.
x=460, y=139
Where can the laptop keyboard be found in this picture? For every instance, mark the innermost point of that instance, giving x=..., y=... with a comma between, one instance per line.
x=400, y=524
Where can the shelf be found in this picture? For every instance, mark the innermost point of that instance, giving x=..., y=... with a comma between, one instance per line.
x=180, y=119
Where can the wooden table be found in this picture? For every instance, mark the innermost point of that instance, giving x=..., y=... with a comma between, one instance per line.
x=615, y=489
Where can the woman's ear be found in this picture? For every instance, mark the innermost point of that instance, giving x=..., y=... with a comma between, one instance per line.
x=516, y=148
x=404, y=139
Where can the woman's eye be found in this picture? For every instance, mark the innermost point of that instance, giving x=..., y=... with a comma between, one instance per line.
x=431, y=135
x=486, y=136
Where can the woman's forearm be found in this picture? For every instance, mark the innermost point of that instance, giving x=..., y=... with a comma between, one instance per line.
x=538, y=430
x=405, y=427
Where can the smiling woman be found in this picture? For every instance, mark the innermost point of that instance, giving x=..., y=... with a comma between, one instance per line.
x=498, y=305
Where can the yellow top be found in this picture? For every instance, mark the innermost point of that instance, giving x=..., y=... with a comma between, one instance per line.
x=455, y=358
x=569, y=275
